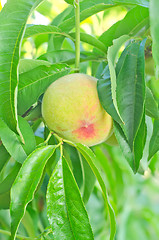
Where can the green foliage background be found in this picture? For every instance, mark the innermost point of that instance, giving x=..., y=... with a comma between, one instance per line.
x=102, y=192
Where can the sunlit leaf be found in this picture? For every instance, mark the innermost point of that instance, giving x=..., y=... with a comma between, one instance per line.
x=6, y=184
x=89, y=180
x=66, y=211
x=26, y=182
x=69, y=1
x=28, y=135
x=151, y=105
x=105, y=97
x=93, y=162
x=154, y=23
x=12, y=143
x=4, y=156
x=34, y=82
x=113, y=52
x=26, y=65
x=11, y=31
x=154, y=142
x=133, y=156
x=131, y=24
x=130, y=91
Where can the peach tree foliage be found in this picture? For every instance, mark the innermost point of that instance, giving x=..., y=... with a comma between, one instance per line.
x=50, y=179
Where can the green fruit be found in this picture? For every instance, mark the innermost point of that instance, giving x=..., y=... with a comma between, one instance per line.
x=72, y=109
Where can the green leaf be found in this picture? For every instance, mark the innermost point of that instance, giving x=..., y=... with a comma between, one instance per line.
x=113, y=52
x=89, y=8
x=4, y=156
x=66, y=20
x=130, y=25
x=12, y=143
x=154, y=24
x=4, y=200
x=130, y=91
x=139, y=143
x=144, y=3
x=89, y=180
x=151, y=105
x=27, y=180
x=43, y=29
x=105, y=97
x=107, y=169
x=154, y=141
x=33, y=83
x=68, y=56
x=73, y=156
x=69, y=1
x=6, y=184
x=26, y=65
x=93, y=162
x=66, y=211
x=133, y=156
x=87, y=38
x=84, y=37
x=11, y=31
x=124, y=144
x=28, y=134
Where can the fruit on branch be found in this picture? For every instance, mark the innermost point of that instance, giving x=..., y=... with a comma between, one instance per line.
x=72, y=109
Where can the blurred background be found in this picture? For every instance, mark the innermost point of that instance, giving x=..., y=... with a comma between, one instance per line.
x=135, y=198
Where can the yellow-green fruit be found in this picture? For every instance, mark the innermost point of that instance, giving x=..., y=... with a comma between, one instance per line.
x=72, y=109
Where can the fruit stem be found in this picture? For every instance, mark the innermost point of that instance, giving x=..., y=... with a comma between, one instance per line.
x=57, y=137
x=48, y=137
x=77, y=41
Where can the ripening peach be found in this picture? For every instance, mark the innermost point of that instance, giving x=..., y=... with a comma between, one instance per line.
x=72, y=109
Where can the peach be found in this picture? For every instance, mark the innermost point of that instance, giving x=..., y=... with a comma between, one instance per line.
x=72, y=109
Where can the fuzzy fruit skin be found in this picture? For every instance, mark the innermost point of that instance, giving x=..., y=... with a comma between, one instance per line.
x=72, y=109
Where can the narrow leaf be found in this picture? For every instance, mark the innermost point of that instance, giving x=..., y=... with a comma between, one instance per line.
x=133, y=156
x=113, y=52
x=33, y=83
x=131, y=24
x=12, y=143
x=151, y=105
x=84, y=37
x=43, y=29
x=26, y=65
x=28, y=134
x=105, y=97
x=27, y=180
x=87, y=38
x=11, y=31
x=6, y=184
x=124, y=144
x=154, y=23
x=4, y=156
x=154, y=142
x=89, y=180
x=66, y=210
x=130, y=91
x=92, y=161
x=89, y=7
x=4, y=200
x=70, y=1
